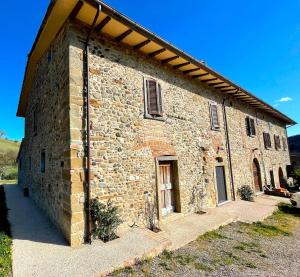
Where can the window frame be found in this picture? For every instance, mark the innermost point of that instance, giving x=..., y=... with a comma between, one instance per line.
x=212, y=125
x=250, y=126
x=269, y=140
x=146, y=106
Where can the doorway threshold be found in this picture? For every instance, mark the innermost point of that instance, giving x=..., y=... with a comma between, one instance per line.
x=224, y=203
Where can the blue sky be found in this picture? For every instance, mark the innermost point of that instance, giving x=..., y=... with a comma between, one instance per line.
x=254, y=43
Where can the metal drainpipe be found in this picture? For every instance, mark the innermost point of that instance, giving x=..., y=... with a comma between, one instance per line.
x=88, y=150
x=228, y=148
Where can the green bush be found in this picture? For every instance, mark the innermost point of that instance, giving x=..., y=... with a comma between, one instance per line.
x=9, y=173
x=246, y=193
x=105, y=219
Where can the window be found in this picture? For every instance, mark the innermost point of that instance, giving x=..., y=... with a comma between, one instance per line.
x=49, y=56
x=250, y=126
x=43, y=161
x=35, y=121
x=284, y=144
x=214, y=118
x=267, y=140
x=277, y=142
x=153, y=99
x=20, y=164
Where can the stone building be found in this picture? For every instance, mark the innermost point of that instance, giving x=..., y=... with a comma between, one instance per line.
x=162, y=126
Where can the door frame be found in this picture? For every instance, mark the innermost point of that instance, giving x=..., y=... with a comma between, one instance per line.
x=174, y=161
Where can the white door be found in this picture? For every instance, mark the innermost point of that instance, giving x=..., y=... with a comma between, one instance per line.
x=166, y=188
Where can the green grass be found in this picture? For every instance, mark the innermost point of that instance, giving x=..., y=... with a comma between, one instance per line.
x=8, y=182
x=221, y=249
x=5, y=238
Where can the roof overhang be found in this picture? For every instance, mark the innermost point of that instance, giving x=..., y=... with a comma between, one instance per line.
x=124, y=30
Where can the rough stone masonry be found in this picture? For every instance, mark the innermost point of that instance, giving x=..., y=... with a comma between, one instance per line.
x=125, y=145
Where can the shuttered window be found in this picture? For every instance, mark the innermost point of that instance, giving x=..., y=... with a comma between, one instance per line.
x=277, y=142
x=284, y=144
x=43, y=161
x=267, y=140
x=153, y=98
x=250, y=126
x=214, y=117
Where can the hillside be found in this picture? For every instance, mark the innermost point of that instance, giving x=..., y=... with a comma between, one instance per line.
x=8, y=155
x=9, y=145
x=294, y=144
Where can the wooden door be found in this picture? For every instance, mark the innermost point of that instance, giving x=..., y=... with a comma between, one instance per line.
x=281, y=178
x=166, y=188
x=221, y=184
x=256, y=176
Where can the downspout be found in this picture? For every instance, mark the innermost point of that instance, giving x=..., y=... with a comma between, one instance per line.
x=88, y=142
x=228, y=149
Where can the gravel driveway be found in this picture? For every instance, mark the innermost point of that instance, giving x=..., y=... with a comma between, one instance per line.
x=270, y=248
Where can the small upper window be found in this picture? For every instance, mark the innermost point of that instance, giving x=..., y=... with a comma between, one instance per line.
x=214, y=117
x=267, y=140
x=43, y=161
x=49, y=56
x=250, y=126
x=277, y=142
x=29, y=163
x=153, y=99
x=284, y=144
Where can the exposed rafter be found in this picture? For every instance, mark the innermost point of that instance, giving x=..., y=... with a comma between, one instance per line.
x=142, y=44
x=101, y=25
x=219, y=87
x=76, y=9
x=200, y=75
x=123, y=35
x=209, y=80
x=215, y=84
x=169, y=59
x=157, y=52
x=181, y=65
x=190, y=70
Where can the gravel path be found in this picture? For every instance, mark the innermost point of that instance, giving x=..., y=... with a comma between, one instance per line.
x=238, y=249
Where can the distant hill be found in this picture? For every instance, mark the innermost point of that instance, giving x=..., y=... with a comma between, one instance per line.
x=294, y=144
x=9, y=146
x=8, y=154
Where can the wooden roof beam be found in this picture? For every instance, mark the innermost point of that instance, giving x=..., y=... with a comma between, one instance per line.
x=200, y=75
x=101, y=25
x=157, y=52
x=123, y=35
x=142, y=44
x=215, y=84
x=169, y=59
x=225, y=86
x=209, y=80
x=190, y=70
x=181, y=65
x=76, y=9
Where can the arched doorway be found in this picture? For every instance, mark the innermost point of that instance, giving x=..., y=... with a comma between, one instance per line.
x=281, y=178
x=256, y=176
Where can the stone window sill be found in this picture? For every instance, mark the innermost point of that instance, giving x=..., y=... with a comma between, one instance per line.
x=148, y=116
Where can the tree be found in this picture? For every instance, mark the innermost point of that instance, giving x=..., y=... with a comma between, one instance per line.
x=2, y=133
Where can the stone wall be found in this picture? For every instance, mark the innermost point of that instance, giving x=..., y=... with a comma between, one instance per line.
x=125, y=144
x=50, y=98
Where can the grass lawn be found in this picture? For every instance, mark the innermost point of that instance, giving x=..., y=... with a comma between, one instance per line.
x=237, y=249
x=8, y=182
x=5, y=238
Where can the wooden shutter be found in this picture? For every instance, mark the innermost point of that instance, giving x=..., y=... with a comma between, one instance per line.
x=284, y=144
x=154, y=99
x=267, y=140
x=214, y=117
x=277, y=142
x=252, y=127
x=247, y=121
